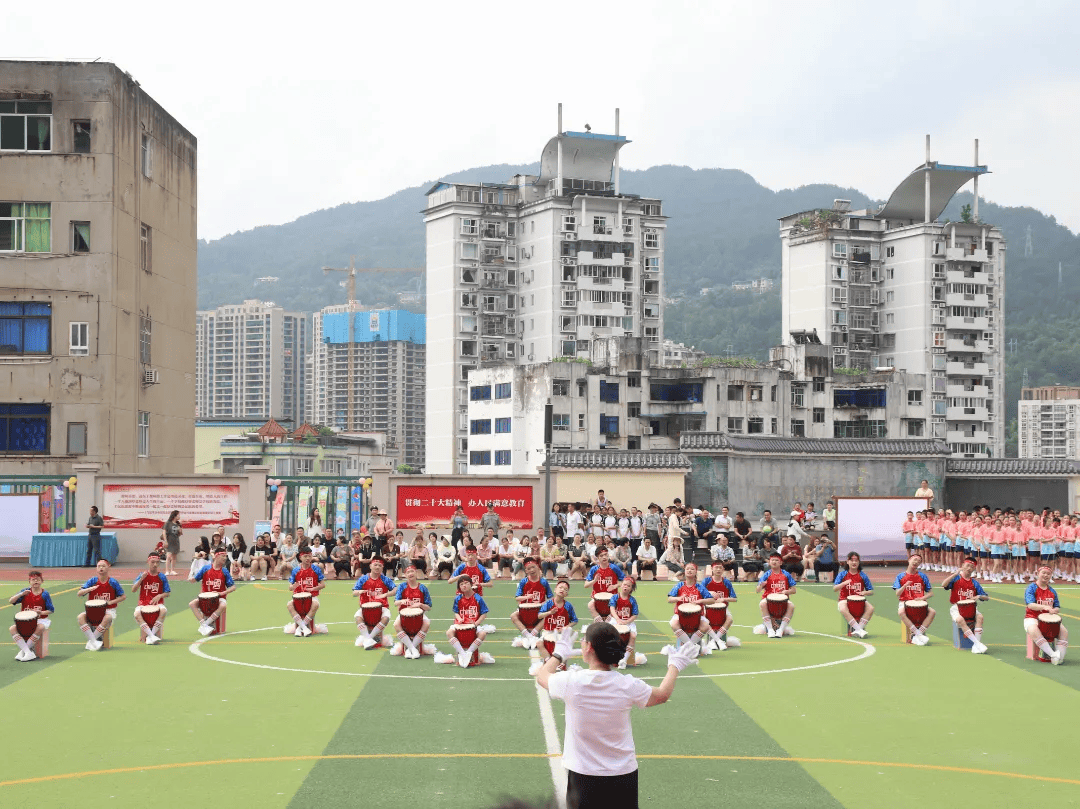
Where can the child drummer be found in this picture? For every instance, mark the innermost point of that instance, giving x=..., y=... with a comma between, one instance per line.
x=36, y=599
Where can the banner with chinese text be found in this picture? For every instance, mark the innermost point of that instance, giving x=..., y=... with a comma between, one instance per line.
x=427, y=505
x=143, y=506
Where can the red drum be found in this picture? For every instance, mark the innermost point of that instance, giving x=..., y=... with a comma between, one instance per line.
x=1049, y=626
x=689, y=617
x=624, y=634
x=549, y=637
x=95, y=611
x=916, y=611
x=529, y=614
x=777, y=604
x=716, y=615
x=602, y=602
x=26, y=623
x=856, y=605
x=150, y=613
x=371, y=613
x=412, y=620
x=302, y=604
x=966, y=608
x=208, y=603
x=466, y=634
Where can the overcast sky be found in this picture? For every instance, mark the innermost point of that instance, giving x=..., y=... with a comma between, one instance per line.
x=305, y=107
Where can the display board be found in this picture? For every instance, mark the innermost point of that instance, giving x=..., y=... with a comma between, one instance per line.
x=872, y=526
x=18, y=523
x=148, y=506
x=434, y=505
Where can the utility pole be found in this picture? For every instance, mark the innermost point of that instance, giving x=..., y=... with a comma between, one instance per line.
x=352, y=335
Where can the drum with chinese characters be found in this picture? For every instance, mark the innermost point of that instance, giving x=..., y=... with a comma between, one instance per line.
x=26, y=623
x=916, y=611
x=1049, y=626
x=529, y=614
x=856, y=605
x=777, y=604
x=689, y=617
x=412, y=620
x=302, y=604
x=208, y=603
x=602, y=603
x=95, y=611
x=966, y=608
x=371, y=613
x=716, y=614
x=624, y=634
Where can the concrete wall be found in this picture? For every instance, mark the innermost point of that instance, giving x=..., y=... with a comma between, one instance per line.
x=1020, y=493
x=624, y=488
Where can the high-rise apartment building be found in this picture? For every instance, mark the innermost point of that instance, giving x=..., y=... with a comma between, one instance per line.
x=386, y=378
x=896, y=288
x=1049, y=422
x=98, y=190
x=250, y=362
x=532, y=270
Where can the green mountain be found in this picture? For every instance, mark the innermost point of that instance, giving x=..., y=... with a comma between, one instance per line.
x=722, y=230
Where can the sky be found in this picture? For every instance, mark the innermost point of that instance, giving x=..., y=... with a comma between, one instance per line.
x=296, y=110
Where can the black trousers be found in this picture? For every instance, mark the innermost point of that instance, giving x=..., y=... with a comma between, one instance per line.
x=601, y=791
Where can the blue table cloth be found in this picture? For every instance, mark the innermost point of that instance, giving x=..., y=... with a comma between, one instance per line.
x=68, y=550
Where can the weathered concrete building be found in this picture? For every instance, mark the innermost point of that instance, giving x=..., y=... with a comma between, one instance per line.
x=97, y=273
x=1049, y=422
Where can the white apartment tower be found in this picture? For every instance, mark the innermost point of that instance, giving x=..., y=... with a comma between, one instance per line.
x=250, y=362
x=1049, y=422
x=897, y=288
x=533, y=270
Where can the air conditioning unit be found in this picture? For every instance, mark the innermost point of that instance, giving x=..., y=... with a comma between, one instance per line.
x=569, y=261
x=843, y=328
x=150, y=376
x=531, y=357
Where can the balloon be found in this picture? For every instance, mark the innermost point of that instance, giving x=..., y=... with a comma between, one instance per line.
x=370, y=481
x=73, y=480
x=273, y=488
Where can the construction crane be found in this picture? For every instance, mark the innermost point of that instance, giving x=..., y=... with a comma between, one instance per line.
x=352, y=270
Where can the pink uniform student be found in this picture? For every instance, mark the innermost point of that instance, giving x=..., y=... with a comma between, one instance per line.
x=468, y=609
x=37, y=599
x=963, y=587
x=105, y=588
x=152, y=588
x=215, y=578
x=412, y=594
x=689, y=591
x=913, y=585
x=723, y=592
x=602, y=578
x=373, y=587
x=849, y=582
x=775, y=580
x=305, y=578
x=1040, y=598
x=909, y=527
x=533, y=589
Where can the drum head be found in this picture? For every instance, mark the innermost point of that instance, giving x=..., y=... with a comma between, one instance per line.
x=776, y=597
x=916, y=604
x=856, y=598
x=465, y=627
x=1044, y=618
x=150, y=609
x=411, y=612
x=26, y=615
x=602, y=597
x=689, y=608
x=371, y=605
x=97, y=602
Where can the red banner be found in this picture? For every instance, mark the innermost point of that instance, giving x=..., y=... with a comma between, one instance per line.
x=421, y=506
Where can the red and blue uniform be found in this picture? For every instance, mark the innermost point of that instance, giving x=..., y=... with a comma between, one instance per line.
x=776, y=581
x=214, y=581
x=560, y=617
x=603, y=578
x=720, y=587
x=467, y=610
x=375, y=588
x=1044, y=596
x=150, y=586
x=307, y=580
x=963, y=589
x=625, y=609
x=911, y=586
x=108, y=590
x=478, y=574
x=412, y=596
x=537, y=591
x=854, y=584
x=29, y=601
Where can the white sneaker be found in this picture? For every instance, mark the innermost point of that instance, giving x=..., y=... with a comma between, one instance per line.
x=1056, y=657
x=789, y=631
x=368, y=642
x=359, y=640
x=399, y=650
x=152, y=639
x=21, y=655
x=439, y=657
x=518, y=642
x=772, y=633
x=250, y=578
x=719, y=645
x=29, y=655
x=306, y=629
x=733, y=642
x=464, y=659
x=759, y=629
x=414, y=654
x=622, y=665
x=640, y=659
x=485, y=657
x=205, y=629
x=299, y=632
x=91, y=645
x=535, y=667
x=706, y=649
x=859, y=632
x=921, y=640
x=668, y=649
x=978, y=647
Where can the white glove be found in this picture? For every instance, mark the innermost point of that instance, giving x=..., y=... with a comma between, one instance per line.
x=683, y=656
x=564, y=646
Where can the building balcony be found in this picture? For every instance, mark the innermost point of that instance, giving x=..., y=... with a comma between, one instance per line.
x=613, y=260
x=967, y=346
x=605, y=234
x=966, y=299
x=967, y=368
x=965, y=254
x=974, y=392
x=967, y=414
x=961, y=277
x=967, y=323
x=974, y=437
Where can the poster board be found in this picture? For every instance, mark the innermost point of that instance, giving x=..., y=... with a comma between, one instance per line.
x=19, y=515
x=420, y=506
x=148, y=506
x=872, y=526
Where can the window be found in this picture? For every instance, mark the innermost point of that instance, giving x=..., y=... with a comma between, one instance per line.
x=560, y=421
x=502, y=457
x=80, y=237
x=599, y=225
x=889, y=319
x=281, y=467
x=633, y=380
x=652, y=240
x=482, y=458
x=480, y=393
x=652, y=264
x=652, y=334
x=609, y=392
x=939, y=271
x=772, y=425
x=470, y=227
x=756, y=393
x=734, y=425
x=916, y=428
x=839, y=251
x=839, y=273
x=819, y=415
x=144, y=339
x=468, y=348
x=24, y=428
x=772, y=394
x=502, y=390
x=890, y=274
x=866, y=428
x=734, y=393
x=819, y=384
x=633, y=409
x=147, y=157
x=560, y=387
x=609, y=425
x=25, y=227
x=890, y=252
x=80, y=136
x=330, y=466
x=470, y=250
x=871, y=397
x=480, y=427
x=25, y=328
x=914, y=397
x=798, y=428
x=569, y=297
x=839, y=317
x=839, y=294
x=144, y=434
x=79, y=345
x=755, y=424
x=798, y=396
x=581, y=421
x=26, y=126
x=502, y=425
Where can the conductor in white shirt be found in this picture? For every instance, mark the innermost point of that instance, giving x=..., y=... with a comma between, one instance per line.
x=598, y=753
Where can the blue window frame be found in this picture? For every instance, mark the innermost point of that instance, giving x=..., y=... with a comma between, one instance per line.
x=24, y=428
x=480, y=427
x=502, y=425
x=502, y=390
x=25, y=327
x=502, y=457
x=480, y=458
x=479, y=393
x=609, y=392
x=609, y=425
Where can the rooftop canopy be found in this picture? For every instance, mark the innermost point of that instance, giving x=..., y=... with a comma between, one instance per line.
x=908, y=200
x=586, y=156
